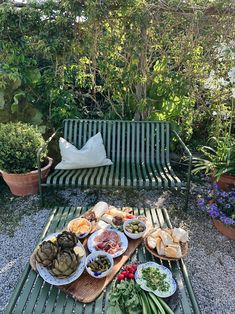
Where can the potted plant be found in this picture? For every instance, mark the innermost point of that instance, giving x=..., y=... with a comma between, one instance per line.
x=219, y=161
x=19, y=143
x=220, y=205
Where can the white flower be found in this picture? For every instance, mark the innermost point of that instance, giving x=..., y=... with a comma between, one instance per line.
x=233, y=92
x=222, y=81
x=231, y=75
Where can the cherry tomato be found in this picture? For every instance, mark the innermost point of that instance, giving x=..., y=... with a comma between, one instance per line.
x=129, y=269
x=131, y=276
x=125, y=274
x=120, y=277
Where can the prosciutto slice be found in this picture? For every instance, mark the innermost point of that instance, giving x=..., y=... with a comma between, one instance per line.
x=108, y=241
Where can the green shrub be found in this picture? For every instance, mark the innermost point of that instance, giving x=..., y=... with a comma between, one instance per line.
x=19, y=143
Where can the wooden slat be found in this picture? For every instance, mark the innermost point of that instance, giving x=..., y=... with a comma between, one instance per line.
x=133, y=153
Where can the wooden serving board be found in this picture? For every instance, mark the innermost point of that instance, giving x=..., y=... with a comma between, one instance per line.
x=86, y=288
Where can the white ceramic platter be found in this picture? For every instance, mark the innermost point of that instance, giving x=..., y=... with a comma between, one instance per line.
x=53, y=280
x=162, y=269
x=123, y=239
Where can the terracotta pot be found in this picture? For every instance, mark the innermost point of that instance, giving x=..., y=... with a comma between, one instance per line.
x=22, y=184
x=226, y=230
x=226, y=182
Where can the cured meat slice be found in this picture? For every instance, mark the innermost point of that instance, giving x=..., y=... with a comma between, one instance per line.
x=108, y=241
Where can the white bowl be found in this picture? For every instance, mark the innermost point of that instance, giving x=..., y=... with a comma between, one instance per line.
x=92, y=257
x=80, y=235
x=134, y=236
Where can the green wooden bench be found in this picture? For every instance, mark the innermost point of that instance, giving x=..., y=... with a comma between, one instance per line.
x=33, y=295
x=140, y=152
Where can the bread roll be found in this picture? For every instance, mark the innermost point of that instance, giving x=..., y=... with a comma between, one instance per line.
x=102, y=225
x=107, y=218
x=100, y=209
x=173, y=251
x=168, y=230
x=179, y=235
x=166, y=238
x=115, y=212
x=160, y=246
x=151, y=242
x=156, y=233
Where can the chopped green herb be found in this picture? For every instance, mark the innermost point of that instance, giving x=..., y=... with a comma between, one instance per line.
x=155, y=280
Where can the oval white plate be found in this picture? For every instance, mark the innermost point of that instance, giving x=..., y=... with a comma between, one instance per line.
x=123, y=239
x=163, y=269
x=53, y=280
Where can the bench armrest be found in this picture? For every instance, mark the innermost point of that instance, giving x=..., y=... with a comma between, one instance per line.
x=41, y=149
x=186, y=149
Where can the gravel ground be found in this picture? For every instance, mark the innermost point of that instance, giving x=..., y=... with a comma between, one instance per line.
x=210, y=261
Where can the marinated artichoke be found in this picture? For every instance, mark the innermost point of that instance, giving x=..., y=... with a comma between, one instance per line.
x=67, y=240
x=65, y=264
x=46, y=253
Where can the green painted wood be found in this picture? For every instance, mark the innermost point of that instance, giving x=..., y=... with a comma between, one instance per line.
x=70, y=302
x=140, y=146
x=26, y=288
x=42, y=298
x=118, y=156
x=89, y=308
x=123, y=154
x=78, y=308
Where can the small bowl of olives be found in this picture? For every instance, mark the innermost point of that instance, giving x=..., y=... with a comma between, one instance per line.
x=99, y=264
x=134, y=228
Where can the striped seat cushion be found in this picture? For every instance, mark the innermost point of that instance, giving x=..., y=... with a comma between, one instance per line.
x=120, y=174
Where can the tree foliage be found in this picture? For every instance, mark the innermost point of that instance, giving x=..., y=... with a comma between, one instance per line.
x=132, y=59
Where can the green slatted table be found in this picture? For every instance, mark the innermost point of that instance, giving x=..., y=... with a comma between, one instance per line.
x=33, y=295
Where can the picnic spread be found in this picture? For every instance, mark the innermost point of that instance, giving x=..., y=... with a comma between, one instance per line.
x=89, y=253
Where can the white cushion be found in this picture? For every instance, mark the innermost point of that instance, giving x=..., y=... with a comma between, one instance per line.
x=92, y=154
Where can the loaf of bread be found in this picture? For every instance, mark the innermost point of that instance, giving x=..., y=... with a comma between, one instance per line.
x=166, y=238
x=151, y=242
x=179, y=235
x=160, y=246
x=100, y=209
x=173, y=251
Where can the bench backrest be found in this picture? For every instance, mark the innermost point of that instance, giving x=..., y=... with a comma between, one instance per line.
x=132, y=141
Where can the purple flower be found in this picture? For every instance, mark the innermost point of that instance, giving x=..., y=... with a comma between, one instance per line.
x=227, y=220
x=201, y=203
x=215, y=186
x=232, y=199
x=227, y=206
x=224, y=194
x=214, y=211
x=220, y=200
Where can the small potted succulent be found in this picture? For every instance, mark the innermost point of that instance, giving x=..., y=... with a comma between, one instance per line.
x=220, y=205
x=219, y=161
x=19, y=143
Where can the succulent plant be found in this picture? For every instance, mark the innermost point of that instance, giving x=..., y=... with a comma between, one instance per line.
x=46, y=253
x=67, y=240
x=65, y=264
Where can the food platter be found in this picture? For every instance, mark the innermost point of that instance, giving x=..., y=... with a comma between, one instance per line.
x=51, y=279
x=184, y=249
x=123, y=241
x=163, y=270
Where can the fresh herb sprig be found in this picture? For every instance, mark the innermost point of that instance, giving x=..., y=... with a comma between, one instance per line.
x=124, y=298
x=155, y=280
